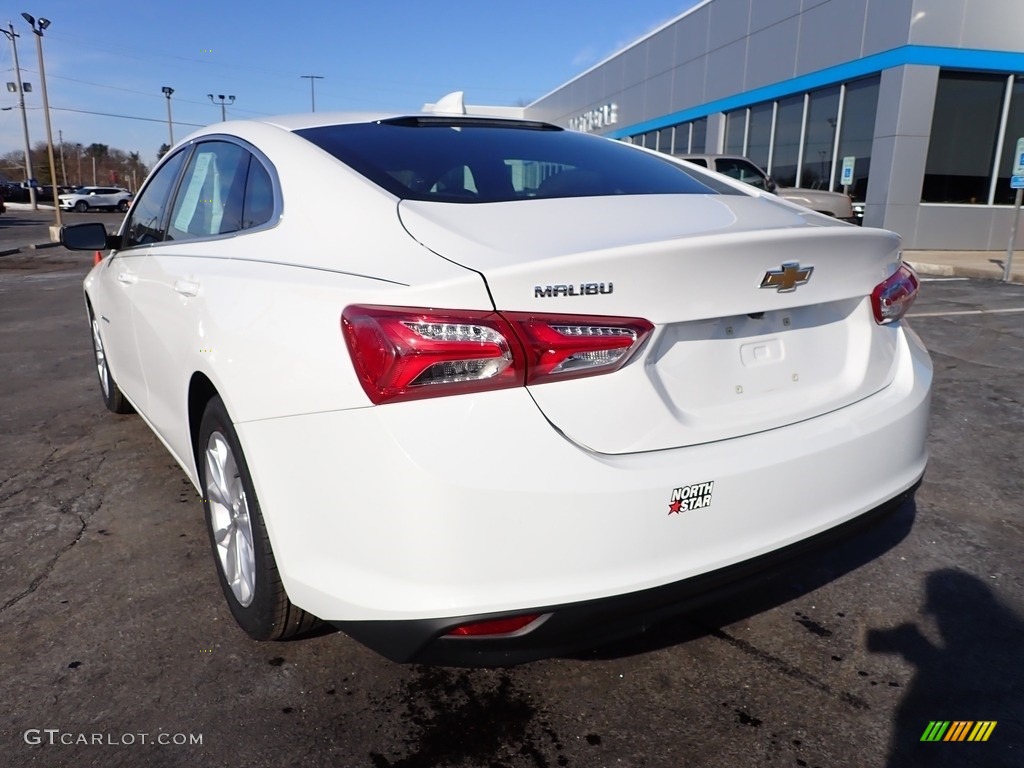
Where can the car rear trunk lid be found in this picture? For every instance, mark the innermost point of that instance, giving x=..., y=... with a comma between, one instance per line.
x=762, y=314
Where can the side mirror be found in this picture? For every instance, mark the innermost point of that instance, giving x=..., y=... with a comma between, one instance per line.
x=770, y=184
x=85, y=237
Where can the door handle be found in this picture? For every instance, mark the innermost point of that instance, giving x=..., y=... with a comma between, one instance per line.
x=186, y=287
x=127, y=278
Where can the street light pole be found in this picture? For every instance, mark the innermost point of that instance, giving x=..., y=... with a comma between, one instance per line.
x=24, y=120
x=312, y=93
x=170, y=125
x=222, y=101
x=63, y=170
x=38, y=30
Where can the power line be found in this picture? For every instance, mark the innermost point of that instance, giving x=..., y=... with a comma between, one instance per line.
x=126, y=117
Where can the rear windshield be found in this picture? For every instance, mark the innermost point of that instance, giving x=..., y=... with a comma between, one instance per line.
x=485, y=161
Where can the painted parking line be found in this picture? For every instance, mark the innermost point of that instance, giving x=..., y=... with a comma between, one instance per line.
x=942, y=279
x=968, y=312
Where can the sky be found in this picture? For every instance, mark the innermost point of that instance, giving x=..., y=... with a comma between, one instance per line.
x=114, y=58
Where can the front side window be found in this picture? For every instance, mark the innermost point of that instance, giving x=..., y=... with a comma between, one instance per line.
x=476, y=161
x=147, y=221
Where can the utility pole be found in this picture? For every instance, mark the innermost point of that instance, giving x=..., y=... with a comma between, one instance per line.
x=312, y=92
x=24, y=120
x=63, y=170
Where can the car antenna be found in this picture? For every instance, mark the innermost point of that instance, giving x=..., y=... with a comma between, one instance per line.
x=452, y=104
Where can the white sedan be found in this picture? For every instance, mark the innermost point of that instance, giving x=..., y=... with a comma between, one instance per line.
x=480, y=390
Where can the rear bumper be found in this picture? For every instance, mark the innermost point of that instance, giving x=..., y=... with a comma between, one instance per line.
x=419, y=515
x=591, y=624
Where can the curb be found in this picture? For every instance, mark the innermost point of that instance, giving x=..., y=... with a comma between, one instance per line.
x=951, y=270
x=29, y=247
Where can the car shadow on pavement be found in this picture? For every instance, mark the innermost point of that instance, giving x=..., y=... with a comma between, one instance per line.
x=973, y=678
x=796, y=579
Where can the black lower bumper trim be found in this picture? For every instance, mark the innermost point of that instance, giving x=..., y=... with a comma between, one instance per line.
x=590, y=624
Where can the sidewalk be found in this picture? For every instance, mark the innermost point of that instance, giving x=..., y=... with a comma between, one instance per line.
x=985, y=265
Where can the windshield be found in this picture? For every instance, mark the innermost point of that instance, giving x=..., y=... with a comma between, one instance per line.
x=472, y=160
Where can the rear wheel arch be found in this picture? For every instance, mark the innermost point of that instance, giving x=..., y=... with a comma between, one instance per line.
x=200, y=391
x=240, y=540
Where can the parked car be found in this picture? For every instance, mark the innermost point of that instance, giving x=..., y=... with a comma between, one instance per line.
x=835, y=204
x=86, y=198
x=481, y=391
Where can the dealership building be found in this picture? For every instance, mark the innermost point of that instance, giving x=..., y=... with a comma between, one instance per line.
x=923, y=98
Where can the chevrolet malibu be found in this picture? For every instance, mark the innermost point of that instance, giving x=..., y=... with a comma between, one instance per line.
x=479, y=390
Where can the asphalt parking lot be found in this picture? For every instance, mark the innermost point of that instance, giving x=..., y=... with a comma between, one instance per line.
x=117, y=648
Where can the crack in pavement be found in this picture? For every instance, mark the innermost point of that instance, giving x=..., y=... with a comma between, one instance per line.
x=48, y=569
x=63, y=508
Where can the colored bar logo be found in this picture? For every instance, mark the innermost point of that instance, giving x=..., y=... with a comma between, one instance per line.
x=958, y=730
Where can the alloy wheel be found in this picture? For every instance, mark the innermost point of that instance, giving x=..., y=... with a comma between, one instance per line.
x=229, y=519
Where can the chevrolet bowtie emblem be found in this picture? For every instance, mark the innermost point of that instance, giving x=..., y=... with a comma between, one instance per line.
x=788, y=278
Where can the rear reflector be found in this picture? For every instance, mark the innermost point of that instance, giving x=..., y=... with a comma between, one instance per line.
x=892, y=298
x=406, y=353
x=506, y=626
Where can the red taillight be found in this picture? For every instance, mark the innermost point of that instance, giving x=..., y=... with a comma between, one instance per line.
x=405, y=353
x=97, y=257
x=567, y=346
x=505, y=626
x=892, y=298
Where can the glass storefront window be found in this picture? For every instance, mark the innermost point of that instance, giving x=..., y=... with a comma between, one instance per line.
x=759, y=135
x=788, y=122
x=822, y=122
x=857, y=133
x=682, y=145
x=699, y=136
x=665, y=140
x=735, y=131
x=961, y=150
x=1014, y=130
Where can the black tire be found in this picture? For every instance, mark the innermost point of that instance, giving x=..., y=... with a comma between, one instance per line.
x=122, y=206
x=113, y=398
x=261, y=608
x=81, y=206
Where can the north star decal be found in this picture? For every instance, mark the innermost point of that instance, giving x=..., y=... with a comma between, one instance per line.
x=583, y=289
x=696, y=496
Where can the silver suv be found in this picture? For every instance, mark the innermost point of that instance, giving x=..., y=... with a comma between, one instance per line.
x=96, y=197
x=740, y=168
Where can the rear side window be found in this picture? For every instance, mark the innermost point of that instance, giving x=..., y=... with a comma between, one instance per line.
x=212, y=192
x=481, y=161
x=741, y=170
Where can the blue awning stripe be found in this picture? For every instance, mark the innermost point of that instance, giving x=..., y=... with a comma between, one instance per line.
x=1008, y=62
